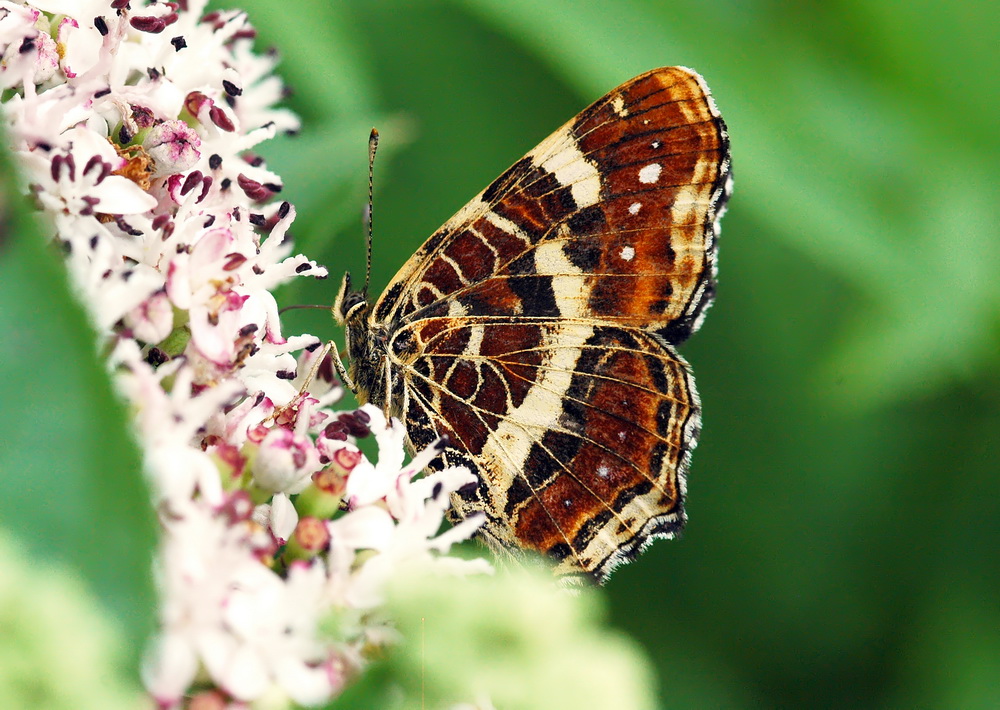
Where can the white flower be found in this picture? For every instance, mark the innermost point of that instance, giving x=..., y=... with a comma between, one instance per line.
x=77, y=181
x=408, y=548
x=135, y=141
x=285, y=462
x=405, y=533
x=272, y=636
x=152, y=320
x=80, y=41
x=204, y=563
x=169, y=421
x=173, y=146
x=280, y=517
x=374, y=482
x=29, y=56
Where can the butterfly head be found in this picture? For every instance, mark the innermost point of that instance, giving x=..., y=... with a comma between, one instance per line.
x=350, y=305
x=366, y=345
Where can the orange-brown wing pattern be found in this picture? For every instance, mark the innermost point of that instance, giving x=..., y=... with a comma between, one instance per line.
x=580, y=434
x=535, y=328
x=613, y=217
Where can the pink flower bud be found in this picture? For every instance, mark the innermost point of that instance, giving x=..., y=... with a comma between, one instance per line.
x=344, y=460
x=285, y=462
x=173, y=145
x=152, y=320
x=208, y=700
x=331, y=444
x=238, y=507
x=330, y=481
x=195, y=101
x=312, y=535
x=256, y=434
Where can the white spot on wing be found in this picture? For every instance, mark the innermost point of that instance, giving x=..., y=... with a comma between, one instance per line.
x=654, y=144
x=634, y=208
x=627, y=253
x=603, y=471
x=650, y=173
x=618, y=104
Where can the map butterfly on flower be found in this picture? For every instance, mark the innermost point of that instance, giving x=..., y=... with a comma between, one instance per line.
x=536, y=328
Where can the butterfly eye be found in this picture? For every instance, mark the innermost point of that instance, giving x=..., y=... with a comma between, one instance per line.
x=352, y=301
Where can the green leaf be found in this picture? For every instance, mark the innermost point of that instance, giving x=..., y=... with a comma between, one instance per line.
x=70, y=471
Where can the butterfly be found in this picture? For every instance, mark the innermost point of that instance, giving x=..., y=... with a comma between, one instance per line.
x=536, y=328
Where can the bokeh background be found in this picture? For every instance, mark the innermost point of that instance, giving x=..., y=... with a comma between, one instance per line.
x=842, y=549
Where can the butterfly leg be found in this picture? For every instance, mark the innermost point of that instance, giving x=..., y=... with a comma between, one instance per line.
x=386, y=409
x=338, y=363
x=330, y=348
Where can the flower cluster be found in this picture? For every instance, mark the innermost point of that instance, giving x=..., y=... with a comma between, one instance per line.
x=134, y=124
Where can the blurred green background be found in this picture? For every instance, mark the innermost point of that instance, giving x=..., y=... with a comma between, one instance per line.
x=844, y=505
x=842, y=549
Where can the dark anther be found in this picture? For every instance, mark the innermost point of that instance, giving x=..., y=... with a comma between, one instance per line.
x=356, y=423
x=156, y=357
x=336, y=430
x=220, y=119
x=144, y=23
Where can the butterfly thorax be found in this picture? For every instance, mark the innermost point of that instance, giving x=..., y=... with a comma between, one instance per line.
x=371, y=369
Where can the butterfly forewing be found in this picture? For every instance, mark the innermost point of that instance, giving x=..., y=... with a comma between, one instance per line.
x=614, y=215
x=535, y=327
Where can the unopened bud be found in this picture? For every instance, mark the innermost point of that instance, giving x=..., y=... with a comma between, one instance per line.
x=311, y=537
x=173, y=146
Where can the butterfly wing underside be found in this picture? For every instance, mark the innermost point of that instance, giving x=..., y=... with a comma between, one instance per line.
x=535, y=328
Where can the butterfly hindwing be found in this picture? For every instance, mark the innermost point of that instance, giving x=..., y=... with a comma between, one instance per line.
x=580, y=433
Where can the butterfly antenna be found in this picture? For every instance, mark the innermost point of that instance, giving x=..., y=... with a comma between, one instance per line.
x=372, y=147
